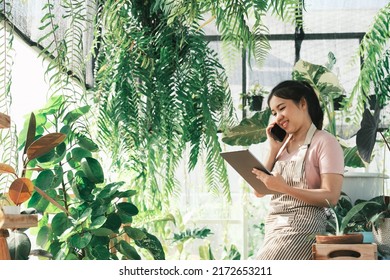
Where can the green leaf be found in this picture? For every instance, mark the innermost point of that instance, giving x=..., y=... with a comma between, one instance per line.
x=249, y=131
x=134, y=233
x=127, y=208
x=43, y=236
x=84, y=216
x=152, y=244
x=30, y=132
x=101, y=252
x=102, y=231
x=113, y=222
x=45, y=179
x=93, y=170
x=60, y=224
x=127, y=250
x=352, y=157
x=80, y=240
x=38, y=202
x=72, y=116
x=97, y=222
x=87, y=143
x=351, y=213
x=366, y=136
x=76, y=155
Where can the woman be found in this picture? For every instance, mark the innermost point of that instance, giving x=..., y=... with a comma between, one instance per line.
x=308, y=168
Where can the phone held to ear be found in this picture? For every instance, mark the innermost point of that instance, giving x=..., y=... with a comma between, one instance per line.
x=278, y=133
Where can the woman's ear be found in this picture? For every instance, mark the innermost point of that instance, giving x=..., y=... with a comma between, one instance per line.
x=303, y=103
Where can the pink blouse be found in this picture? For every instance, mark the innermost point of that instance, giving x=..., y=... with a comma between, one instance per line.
x=324, y=155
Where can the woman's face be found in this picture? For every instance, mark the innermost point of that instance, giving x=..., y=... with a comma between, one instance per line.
x=289, y=115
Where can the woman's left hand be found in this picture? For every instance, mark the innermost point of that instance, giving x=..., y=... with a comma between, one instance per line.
x=273, y=182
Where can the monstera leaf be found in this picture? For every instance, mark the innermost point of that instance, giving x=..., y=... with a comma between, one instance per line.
x=249, y=131
x=366, y=136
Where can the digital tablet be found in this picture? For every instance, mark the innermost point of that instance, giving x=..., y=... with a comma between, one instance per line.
x=243, y=161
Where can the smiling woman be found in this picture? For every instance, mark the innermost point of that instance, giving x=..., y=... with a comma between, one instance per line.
x=308, y=168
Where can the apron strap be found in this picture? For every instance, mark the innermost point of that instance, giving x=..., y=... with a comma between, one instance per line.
x=300, y=156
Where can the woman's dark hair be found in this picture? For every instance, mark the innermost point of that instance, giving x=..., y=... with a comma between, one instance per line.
x=296, y=90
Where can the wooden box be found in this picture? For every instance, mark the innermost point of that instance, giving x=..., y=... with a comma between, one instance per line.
x=344, y=252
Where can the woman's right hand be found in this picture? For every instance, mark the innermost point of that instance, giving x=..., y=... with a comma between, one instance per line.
x=274, y=144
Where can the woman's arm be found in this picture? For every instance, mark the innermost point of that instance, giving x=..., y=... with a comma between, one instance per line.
x=329, y=191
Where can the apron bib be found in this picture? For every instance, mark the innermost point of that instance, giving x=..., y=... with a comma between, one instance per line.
x=291, y=223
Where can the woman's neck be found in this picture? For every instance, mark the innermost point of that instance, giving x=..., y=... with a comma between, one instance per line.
x=300, y=135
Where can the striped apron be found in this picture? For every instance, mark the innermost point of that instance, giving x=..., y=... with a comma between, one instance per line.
x=291, y=224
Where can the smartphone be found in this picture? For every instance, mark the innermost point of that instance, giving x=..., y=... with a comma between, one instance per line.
x=278, y=133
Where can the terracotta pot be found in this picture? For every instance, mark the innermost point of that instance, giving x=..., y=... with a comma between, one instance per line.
x=354, y=238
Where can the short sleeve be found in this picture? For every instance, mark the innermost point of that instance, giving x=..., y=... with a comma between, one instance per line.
x=325, y=155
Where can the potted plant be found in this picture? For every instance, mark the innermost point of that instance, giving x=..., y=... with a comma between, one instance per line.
x=380, y=219
x=342, y=225
x=255, y=97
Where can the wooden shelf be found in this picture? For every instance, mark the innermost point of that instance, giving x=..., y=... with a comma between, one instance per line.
x=17, y=221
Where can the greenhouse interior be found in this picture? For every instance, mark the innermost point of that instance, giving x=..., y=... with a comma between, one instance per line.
x=114, y=115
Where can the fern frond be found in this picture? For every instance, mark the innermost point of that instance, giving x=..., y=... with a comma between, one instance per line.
x=374, y=51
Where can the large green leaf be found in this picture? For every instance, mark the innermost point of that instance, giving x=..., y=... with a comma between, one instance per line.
x=352, y=157
x=127, y=250
x=152, y=244
x=45, y=179
x=72, y=116
x=366, y=136
x=113, y=222
x=60, y=223
x=134, y=233
x=80, y=240
x=101, y=252
x=249, y=131
x=76, y=155
x=43, y=236
x=87, y=143
x=93, y=170
x=97, y=222
x=126, y=211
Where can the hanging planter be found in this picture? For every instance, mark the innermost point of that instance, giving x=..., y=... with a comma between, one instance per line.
x=338, y=102
x=256, y=102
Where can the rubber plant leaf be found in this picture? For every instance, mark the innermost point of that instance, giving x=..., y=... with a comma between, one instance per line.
x=5, y=168
x=32, y=126
x=44, y=144
x=5, y=121
x=366, y=136
x=249, y=131
x=21, y=190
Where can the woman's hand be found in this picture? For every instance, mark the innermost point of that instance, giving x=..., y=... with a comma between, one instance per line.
x=273, y=182
x=274, y=144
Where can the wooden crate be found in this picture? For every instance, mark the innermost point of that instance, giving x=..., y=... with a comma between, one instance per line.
x=344, y=252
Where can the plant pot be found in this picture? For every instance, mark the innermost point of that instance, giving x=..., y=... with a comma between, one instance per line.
x=337, y=102
x=353, y=238
x=382, y=237
x=363, y=185
x=256, y=103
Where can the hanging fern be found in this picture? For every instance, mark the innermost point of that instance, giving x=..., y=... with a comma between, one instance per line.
x=159, y=87
x=62, y=42
x=8, y=138
x=374, y=73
